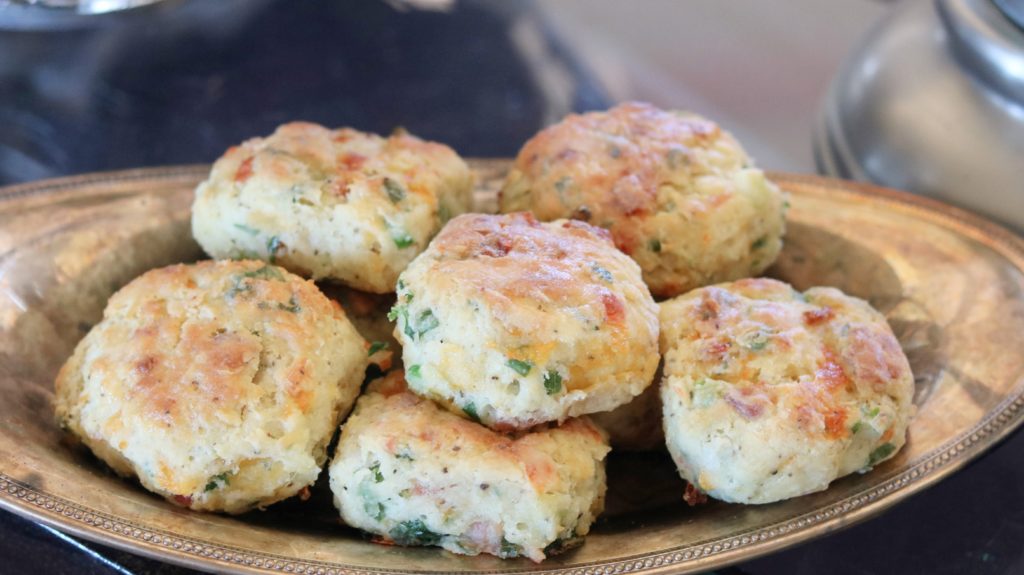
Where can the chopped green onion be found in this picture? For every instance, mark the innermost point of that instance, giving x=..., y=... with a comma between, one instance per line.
x=237, y=254
x=379, y=516
x=273, y=244
x=292, y=306
x=414, y=533
x=654, y=244
x=674, y=157
x=601, y=272
x=552, y=382
x=426, y=322
x=396, y=192
x=402, y=239
x=880, y=453
x=376, y=346
x=519, y=366
x=247, y=229
x=266, y=273
x=216, y=482
x=758, y=342
x=414, y=370
x=508, y=549
x=470, y=410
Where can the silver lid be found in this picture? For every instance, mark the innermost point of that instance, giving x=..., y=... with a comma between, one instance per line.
x=933, y=102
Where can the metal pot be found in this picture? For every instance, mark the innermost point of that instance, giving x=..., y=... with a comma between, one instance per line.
x=933, y=102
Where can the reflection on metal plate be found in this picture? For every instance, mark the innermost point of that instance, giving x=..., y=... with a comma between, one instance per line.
x=949, y=282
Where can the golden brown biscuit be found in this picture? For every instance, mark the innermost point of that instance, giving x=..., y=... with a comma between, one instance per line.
x=331, y=204
x=415, y=474
x=217, y=384
x=769, y=393
x=677, y=193
x=517, y=322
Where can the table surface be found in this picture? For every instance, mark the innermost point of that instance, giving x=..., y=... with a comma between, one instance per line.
x=181, y=82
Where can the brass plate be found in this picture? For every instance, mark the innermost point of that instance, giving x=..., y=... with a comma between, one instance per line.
x=949, y=282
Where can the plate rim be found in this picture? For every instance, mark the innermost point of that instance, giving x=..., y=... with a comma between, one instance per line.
x=998, y=423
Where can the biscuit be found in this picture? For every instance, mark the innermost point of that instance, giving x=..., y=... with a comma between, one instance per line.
x=677, y=193
x=769, y=393
x=514, y=322
x=217, y=384
x=339, y=204
x=415, y=474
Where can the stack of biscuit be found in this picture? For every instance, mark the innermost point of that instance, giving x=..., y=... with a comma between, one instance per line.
x=520, y=346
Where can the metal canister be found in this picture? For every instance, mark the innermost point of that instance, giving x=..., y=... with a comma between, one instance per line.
x=933, y=102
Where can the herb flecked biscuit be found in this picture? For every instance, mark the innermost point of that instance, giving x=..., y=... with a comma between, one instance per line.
x=677, y=193
x=514, y=322
x=331, y=204
x=217, y=384
x=415, y=474
x=770, y=394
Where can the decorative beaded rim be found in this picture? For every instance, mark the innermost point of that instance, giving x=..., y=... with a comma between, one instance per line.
x=89, y=523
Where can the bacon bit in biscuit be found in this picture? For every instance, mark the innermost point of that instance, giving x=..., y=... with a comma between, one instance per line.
x=633, y=194
x=818, y=316
x=806, y=416
x=719, y=199
x=185, y=500
x=304, y=494
x=835, y=423
x=750, y=407
x=352, y=161
x=145, y=365
x=874, y=357
x=420, y=488
x=708, y=308
x=831, y=372
x=485, y=534
x=715, y=350
x=567, y=154
x=888, y=434
x=381, y=540
x=339, y=187
x=614, y=310
x=496, y=246
x=244, y=171
x=693, y=496
x=587, y=228
x=296, y=388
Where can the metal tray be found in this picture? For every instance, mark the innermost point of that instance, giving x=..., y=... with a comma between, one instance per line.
x=950, y=283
